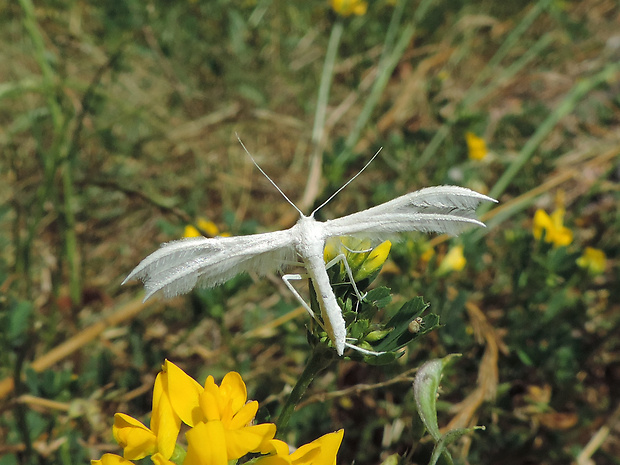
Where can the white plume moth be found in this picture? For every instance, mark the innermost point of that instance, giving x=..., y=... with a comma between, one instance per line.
x=179, y=266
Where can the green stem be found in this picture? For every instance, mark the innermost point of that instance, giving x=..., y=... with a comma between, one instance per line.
x=318, y=131
x=326, y=80
x=31, y=26
x=71, y=242
x=320, y=359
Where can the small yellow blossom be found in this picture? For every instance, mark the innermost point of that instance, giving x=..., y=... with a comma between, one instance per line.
x=593, y=260
x=362, y=258
x=349, y=7
x=454, y=260
x=427, y=255
x=220, y=427
x=374, y=261
x=352, y=248
x=553, y=226
x=209, y=227
x=218, y=415
x=321, y=451
x=476, y=146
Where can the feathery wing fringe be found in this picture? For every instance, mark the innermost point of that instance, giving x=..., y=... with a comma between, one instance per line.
x=179, y=266
x=441, y=209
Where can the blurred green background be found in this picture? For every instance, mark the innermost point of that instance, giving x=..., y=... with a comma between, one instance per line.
x=117, y=130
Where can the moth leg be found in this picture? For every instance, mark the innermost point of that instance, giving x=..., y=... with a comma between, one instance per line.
x=287, y=278
x=363, y=351
x=342, y=258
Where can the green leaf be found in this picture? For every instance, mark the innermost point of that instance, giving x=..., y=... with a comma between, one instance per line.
x=448, y=438
x=425, y=387
x=400, y=334
x=379, y=297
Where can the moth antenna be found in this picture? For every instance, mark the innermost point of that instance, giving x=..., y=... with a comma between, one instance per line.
x=346, y=183
x=265, y=174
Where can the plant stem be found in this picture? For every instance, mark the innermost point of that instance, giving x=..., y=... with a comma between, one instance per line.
x=320, y=359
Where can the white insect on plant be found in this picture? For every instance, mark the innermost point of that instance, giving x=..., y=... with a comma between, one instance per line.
x=416, y=325
x=179, y=266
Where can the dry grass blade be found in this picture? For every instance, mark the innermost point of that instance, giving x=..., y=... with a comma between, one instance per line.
x=487, y=373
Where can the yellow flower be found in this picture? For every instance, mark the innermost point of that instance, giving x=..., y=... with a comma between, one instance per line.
x=219, y=416
x=209, y=227
x=374, y=261
x=321, y=451
x=111, y=459
x=427, y=255
x=362, y=258
x=476, y=146
x=553, y=226
x=137, y=440
x=454, y=260
x=349, y=7
x=593, y=260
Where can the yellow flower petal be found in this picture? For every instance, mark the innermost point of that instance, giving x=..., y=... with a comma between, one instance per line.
x=553, y=226
x=593, y=260
x=349, y=7
x=563, y=237
x=209, y=404
x=280, y=454
x=244, y=416
x=476, y=146
x=375, y=260
x=111, y=459
x=159, y=459
x=184, y=393
x=328, y=444
x=332, y=249
x=249, y=439
x=233, y=388
x=209, y=227
x=321, y=451
x=165, y=423
x=191, y=231
x=542, y=222
x=427, y=254
x=453, y=261
x=136, y=439
x=206, y=444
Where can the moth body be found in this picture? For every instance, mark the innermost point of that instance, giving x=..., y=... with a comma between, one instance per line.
x=311, y=236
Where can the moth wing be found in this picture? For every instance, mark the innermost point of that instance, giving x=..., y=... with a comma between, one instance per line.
x=441, y=209
x=179, y=266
